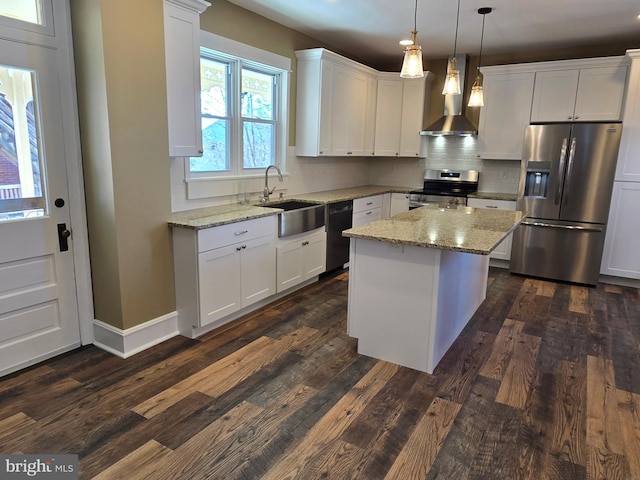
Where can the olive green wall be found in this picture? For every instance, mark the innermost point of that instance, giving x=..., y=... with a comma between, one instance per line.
x=123, y=117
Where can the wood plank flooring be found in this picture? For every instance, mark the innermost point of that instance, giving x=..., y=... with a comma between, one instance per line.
x=544, y=383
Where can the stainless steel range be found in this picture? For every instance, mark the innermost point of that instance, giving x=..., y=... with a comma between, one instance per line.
x=445, y=188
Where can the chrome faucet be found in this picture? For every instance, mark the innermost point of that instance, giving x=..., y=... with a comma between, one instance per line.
x=266, y=192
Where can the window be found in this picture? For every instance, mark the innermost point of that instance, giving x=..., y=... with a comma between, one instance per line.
x=242, y=111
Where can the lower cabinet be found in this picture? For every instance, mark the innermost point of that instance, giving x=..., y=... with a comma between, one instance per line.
x=367, y=210
x=221, y=270
x=300, y=258
x=399, y=203
x=502, y=251
x=621, y=255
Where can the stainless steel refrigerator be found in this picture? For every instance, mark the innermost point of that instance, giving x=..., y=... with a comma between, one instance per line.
x=565, y=188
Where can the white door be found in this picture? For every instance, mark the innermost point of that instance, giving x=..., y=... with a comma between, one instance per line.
x=38, y=299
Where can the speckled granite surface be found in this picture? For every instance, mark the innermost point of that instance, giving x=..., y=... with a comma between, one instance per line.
x=223, y=214
x=466, y=229
x=332, y=196
x=495, y=196
x=219, y=215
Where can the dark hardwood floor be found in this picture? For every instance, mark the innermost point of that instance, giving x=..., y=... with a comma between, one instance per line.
x=544, y=383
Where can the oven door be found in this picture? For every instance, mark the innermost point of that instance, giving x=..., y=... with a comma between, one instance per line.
x=441, y=201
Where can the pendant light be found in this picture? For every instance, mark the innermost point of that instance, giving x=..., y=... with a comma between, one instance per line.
x=412, y=64
x=452, y=80
x=476, y=99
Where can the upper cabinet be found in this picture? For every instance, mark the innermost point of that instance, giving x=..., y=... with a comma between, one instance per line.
x=506, y=111
x=399, y=113
x=585, y=90
x=182, y=58
x=628, y=167
x=587, y=94
x=334, y=97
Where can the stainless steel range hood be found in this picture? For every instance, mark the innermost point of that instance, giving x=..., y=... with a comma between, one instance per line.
x=453, y=122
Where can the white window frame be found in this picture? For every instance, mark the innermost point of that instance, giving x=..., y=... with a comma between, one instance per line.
x=214, y=184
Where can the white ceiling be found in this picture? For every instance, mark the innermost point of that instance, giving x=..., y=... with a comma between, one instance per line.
x=370, y=29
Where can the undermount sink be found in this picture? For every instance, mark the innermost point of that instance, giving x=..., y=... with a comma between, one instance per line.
x=298, y=217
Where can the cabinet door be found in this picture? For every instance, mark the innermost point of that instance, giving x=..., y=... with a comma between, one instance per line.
x=502, y=251
x=314, y=255
x=370, y=118
x=289, y=265
x=388, y=118
x=412, y=111
x=357, y=113
x=600, y=94
x=554, y=96
x=326, y=108
x=257, y=270
x=219, y=283
x=182, y=58
x=399, y=203
x=621, y=256
x=506, y=112
x=628, y=166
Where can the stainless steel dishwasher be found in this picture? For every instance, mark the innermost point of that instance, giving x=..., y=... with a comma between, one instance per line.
x=339, y=216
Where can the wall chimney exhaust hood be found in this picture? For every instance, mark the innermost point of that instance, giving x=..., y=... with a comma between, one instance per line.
x=453, y=122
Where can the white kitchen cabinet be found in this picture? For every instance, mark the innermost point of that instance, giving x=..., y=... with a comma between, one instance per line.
x=399, y=203
x=502, y=251
x=621, y=255
x=367, y=210
x=506, y=112
x=584, y=95
x=370, y=118
x=300, y=258
x=628, y=167
x=333, y=95
x=182, y=58
x=399, y=114
x=223, y=269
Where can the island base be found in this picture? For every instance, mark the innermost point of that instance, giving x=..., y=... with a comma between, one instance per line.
x=408, y=304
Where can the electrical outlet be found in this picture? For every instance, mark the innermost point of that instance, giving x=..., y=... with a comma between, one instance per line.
x=505, y=174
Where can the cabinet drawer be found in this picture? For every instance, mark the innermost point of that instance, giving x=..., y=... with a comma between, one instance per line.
x=367, y=203
x=489, y=203
x=367, y=216
x=231, y=233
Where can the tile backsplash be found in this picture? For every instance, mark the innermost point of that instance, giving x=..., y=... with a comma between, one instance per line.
x=458, y=153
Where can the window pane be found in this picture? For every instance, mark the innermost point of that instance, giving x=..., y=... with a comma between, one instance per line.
x=21, y=189
x=257, y=94
x=25, y=10
x=215, y=108
x=257, y=147
x=215, y=142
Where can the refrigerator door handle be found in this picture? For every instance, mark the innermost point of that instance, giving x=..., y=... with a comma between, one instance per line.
x=567, y=180
x=563, y=155
x=564, y=227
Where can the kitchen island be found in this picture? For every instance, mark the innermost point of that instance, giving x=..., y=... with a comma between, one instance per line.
x=416, y=279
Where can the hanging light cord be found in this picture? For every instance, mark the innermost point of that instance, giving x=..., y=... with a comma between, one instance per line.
x=481, y=42
x=455, y=42
x=415, y=22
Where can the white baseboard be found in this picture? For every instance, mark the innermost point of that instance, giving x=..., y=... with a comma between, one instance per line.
x=125, y=343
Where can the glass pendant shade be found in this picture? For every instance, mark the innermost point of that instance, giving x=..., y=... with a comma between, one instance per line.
x=452, y=80
x=476, y=99
x=412, y=64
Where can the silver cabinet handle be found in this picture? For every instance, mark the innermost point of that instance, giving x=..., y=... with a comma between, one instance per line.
x=491, y=206
x=241, y=233
x=369, y=203
x=238, y=248
x=369, y=213
x=304, y=244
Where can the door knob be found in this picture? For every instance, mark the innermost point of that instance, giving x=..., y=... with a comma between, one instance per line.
x=63, y=235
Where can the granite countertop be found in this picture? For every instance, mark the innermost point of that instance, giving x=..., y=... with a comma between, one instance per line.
x=495, y=196
x=219, y=215
x=222, y=214
x=332, y=196
x=465, y=229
